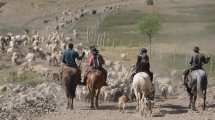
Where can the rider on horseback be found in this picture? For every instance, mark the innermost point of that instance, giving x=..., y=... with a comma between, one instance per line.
x=144, y=66
x=196, y=62
x=69, y=59
x=96, y=61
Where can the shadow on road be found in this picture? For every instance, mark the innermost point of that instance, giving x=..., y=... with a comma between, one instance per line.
x=175, y=109
x=111, y=107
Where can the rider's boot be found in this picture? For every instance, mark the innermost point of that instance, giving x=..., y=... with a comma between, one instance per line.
x=59, y=74
x=183, y=79
x=132, y=77
x=151, y=78
x=105, y=84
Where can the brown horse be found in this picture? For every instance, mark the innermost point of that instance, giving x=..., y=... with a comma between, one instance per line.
x=95, y=81
x=70, y=80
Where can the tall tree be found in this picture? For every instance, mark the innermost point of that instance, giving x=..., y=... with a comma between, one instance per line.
x=149, y=26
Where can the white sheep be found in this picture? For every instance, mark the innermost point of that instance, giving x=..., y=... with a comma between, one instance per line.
x=31, y=57
x=14, y=59
x=35, y=43
x=59, y=57
x=50, y=47
x=62, y=19
x=124, y=57
x=34, y=32
x=48, y=28
x=70, y=13
x=49, y=60
x=63, y=46
x=24, y=37
x=54, y=48
x=18, y=37
x=9, y=50
x=65, y=13
x=62, y=35
x=69, y=39
x=75, y=33
x=25, y=43
x=12, y=44
x=43, y=39
x=49, y=37
x=36, y=49
x=61, y=25
x=36, y=37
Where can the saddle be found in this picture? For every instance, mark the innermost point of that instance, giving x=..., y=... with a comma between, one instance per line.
x=191, y=70
x=64, y=67
x=145, y=72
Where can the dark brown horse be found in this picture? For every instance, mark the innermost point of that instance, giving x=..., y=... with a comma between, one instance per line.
x=95, y=81
x=70, y=79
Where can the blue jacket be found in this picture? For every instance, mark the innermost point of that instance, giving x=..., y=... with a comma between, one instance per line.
x=69, y=57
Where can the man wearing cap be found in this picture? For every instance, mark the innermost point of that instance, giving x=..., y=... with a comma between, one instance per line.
x=69, y=59
x=95, y=52
x=143, y=52
x=144, y=66
x=196, y=62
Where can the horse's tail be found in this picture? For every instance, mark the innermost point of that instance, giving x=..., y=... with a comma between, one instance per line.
x=201, y=85
x=69, y=85
x=93, y=86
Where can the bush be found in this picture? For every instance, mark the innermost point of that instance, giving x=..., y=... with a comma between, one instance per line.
x=3, y=66
x=149, y=2
x=25, y=78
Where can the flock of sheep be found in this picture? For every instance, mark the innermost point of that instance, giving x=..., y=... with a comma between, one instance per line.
x=52, y=51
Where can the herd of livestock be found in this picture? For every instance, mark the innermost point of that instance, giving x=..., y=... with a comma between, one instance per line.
x=25, y=51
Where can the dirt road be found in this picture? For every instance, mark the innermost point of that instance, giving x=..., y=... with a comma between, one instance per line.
x=171, y=109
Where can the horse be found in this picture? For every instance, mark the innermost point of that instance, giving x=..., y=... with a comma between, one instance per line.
x=70, y=79
x=143, y=88
x=197, y=84
x=95, y=81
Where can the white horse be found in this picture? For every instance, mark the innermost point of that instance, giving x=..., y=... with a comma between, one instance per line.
x=142, y=88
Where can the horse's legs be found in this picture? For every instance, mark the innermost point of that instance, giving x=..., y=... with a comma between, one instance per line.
x=204, y=99
x=71, y=103
x=194, y=101
x=139, y=104
x=191, y=98
x=137, y=99
x=92, y=99
x=194, y=92
x=92, y=102
x=97, y=98
x=68, y=99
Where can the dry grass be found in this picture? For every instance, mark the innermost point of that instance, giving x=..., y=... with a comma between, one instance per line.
x=25, y=78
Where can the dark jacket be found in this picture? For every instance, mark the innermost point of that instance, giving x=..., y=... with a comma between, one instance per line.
x=139, y=58
x=197, y=60
x=143, y=66
x=69, y=57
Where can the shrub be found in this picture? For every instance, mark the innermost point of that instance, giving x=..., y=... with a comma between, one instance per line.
x=3, y=66
x=25, y=78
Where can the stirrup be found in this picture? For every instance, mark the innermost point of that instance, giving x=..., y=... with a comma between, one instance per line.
x=105, y=84
x=60, y=83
